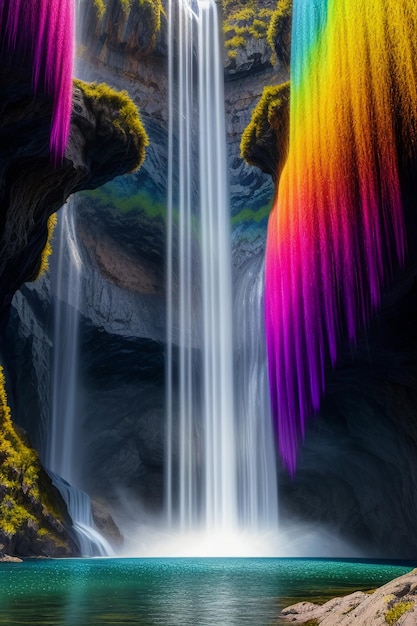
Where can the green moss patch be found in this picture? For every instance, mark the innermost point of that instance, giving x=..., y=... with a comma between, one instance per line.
x=127, y=119
x=249, y=215
x=264, y=141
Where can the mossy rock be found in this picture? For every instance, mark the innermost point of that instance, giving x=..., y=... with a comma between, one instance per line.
x=126, y=120
x=279, y=31
x=398, y=610
x=243, y=21
x=33, y=517
x=264, y=141
x=47, y=251
x=135, y=24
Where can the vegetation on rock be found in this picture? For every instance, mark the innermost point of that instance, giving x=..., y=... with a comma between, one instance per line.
x=100, y=8
x=393, y=615
x=47, y=251
x=152, y=11
x=251, y=216
x=264, y=141
x=279, y=31
x=126, y=120
x=29, y=515
x=243, y=20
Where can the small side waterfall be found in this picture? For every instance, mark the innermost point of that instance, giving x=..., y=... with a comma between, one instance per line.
x=65, y=284
x=91, y=542
x=257, y=471
x=64, y=436
x=220, y=463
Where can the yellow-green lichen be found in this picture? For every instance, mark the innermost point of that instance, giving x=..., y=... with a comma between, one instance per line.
x=47, y=251
x=21, y=491
x=279, y=30
x=398, y=610
x=100, y=8
x=127, y=119
x=269, y=125
x=242, y=21
x=125, y=4
x=153, y=8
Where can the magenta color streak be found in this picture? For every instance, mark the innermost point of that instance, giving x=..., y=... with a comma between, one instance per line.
x=42, y=31
x=325, y=270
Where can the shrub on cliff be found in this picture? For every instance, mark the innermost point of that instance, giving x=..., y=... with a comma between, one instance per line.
x=31, y=513
x=279, y=31
x=243, y=21
x=265, y=139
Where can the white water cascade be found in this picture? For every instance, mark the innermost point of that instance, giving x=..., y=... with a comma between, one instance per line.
x=207, y=488
x=63, y=435
x=257, y=468
x=65, y=284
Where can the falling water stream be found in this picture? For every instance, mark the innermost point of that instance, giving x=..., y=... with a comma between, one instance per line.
x=220, y=462
x=257, y=474
x=65, y=279
x=64, y=435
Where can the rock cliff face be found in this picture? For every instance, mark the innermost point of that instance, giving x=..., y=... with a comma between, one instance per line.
x=31, y=188
x=358, y=468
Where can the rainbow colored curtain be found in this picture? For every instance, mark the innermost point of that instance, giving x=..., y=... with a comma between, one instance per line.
x=336, y=231
x=42, y=33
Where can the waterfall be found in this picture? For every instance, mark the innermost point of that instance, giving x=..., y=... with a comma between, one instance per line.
x=64, y=434
x=90, y=541
x=207, y=440
x=65, y=284
x=257, y=472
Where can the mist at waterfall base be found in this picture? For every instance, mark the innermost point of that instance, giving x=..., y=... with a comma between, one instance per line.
x=263, y=534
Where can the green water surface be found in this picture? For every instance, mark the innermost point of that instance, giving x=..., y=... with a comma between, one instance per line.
x=175, y=592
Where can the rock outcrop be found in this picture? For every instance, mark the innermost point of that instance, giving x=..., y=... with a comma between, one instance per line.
x=33, y=517
x=393, y=603
x=31, y=187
